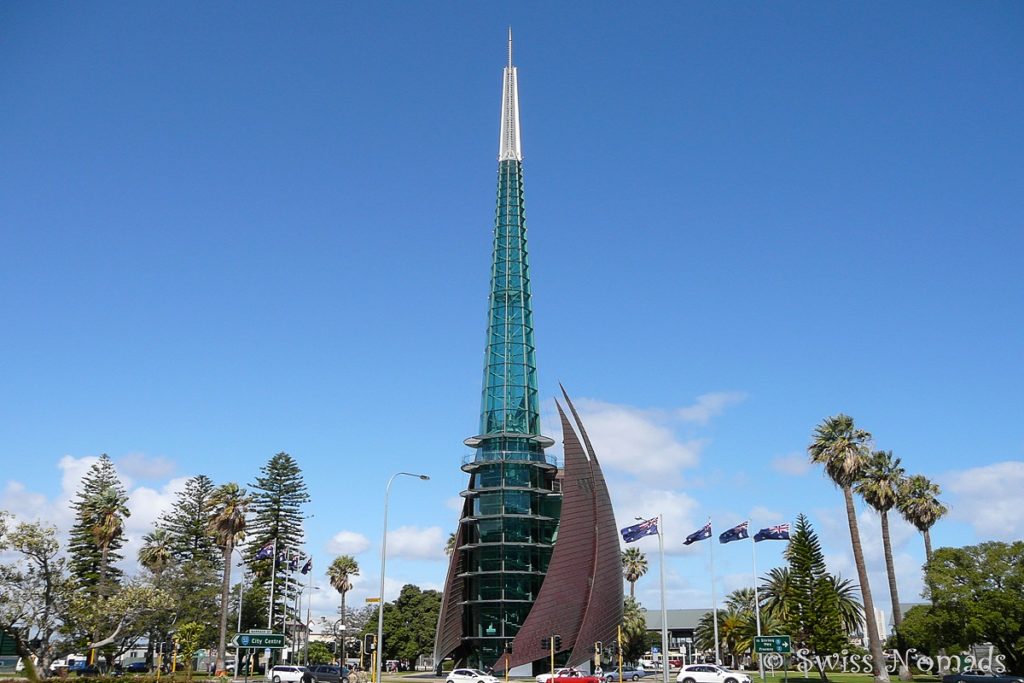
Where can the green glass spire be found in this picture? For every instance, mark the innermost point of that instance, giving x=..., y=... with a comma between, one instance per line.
x=511, y=515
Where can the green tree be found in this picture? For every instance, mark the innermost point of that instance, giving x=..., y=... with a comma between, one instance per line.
x=339, y=573
x=87, y=560
x=187, y=523
x=228, y=505
x=34, y=592
x=981, y=589
x=881, y=487
x=634, y=630
x=190, y=636
x=850, y=609
x=155, y=553
x=279, y=493
x=775, y=594
x=110, y=510
x=634, y=566
x=843, y=449
x=919, y=504
x=928, y=631
x=409, y=624
x=156, y=556
x=449, y=546
x=814, y=617
x=318, y=653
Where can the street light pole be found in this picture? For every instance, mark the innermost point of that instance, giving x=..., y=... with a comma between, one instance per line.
x=241, y=595
x=383, y=559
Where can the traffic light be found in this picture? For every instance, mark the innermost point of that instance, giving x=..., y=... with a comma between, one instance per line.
x=558, y=643
x=598, y=646
x=545, y=643
x=508, y=647
x=369, y=643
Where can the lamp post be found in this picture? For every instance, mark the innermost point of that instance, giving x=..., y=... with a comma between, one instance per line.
x=241, y=595
x=383, y=559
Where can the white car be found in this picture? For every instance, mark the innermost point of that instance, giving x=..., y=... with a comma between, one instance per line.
x=288, y=674
x=470, y=676
x=561, y=673
x=709, y=673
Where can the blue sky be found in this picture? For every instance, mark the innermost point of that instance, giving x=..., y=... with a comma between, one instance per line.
x=233, y=229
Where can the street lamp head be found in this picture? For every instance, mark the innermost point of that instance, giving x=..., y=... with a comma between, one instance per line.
x=424, y=477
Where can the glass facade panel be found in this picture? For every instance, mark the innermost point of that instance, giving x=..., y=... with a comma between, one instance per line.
x=517, y=503
x=518, y=475
x=488, y=531
x=487, y=504
x=488, y=476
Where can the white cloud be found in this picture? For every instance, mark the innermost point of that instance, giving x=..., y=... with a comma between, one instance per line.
x=678, y=512
x=710, y=405
x=347, y=543
x=988, y=498
x=639, y=442
x=760, y=517
x=792, y=464
x=417, y=543
x=142, y=466
x=455, y=503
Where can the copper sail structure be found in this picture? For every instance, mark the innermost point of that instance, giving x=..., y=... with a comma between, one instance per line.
x=500, y=592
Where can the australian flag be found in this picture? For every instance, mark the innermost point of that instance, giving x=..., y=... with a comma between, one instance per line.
x=734, y=534
x=779, y=532
x=699, y=535
x=266, y=552
x=648, y=527
x=308, y=567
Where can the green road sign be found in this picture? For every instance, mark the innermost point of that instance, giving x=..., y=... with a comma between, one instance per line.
x=773, y=644
x=267, y=640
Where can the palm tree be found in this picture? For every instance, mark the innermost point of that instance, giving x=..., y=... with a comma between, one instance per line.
x=741, y=599
x=340, y=572
x=919, y=505
x=449, y=547
x=844, y=451
x=880, y=487
x=774, y=594
x=109, y=512
x=155, y=553
x=229, y=504
x=849, y=606
x=634, y=565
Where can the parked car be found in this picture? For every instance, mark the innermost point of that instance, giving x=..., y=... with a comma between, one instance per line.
x=137, y=668
x=628, y=674
x=567, y=672
x=470, y=676
x=330, y=673
x=709, y=673
x=83, y=669
x=288, y=674
x=979, y=676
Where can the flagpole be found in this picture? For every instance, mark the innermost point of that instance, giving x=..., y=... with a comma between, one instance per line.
x=714, y=603
x=757, y=601
x=309, y=607
x=273, y=575
x=664, y=614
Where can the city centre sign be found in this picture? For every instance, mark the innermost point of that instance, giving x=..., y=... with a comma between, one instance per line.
x=259, y=640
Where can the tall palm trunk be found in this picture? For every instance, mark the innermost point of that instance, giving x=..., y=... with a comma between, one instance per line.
x=344, y=650
x=874, y=642
x=927, y=545
x=894, y=595
x=225, y=587
x=897, y=614
x=632, y=588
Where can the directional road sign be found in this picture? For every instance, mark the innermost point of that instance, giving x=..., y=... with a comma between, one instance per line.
x=264, y=640
x=773, y=644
